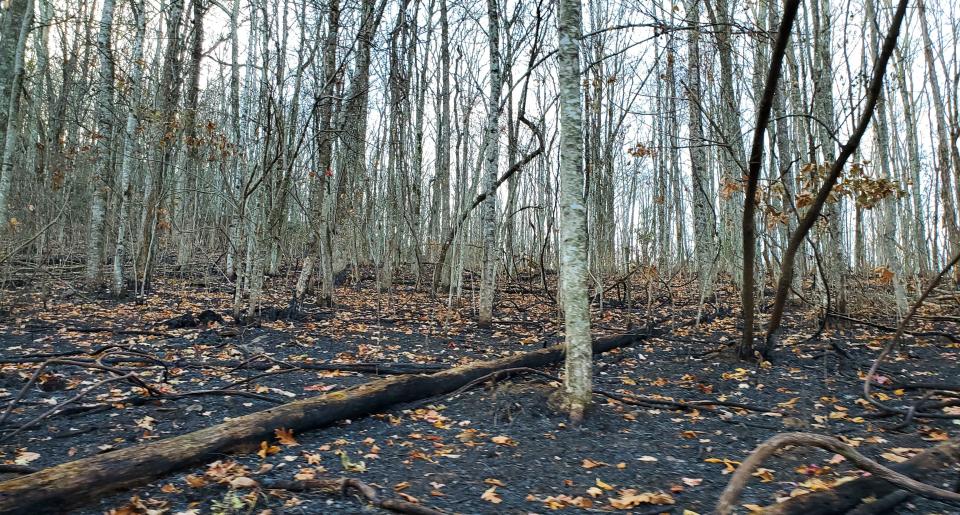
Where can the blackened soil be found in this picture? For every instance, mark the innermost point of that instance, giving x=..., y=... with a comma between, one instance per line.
x=498, y=448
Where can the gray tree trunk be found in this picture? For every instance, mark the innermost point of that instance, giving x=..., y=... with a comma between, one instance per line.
x=578, y=368
x=129, y=147
x=12, y=111
x=488, y=213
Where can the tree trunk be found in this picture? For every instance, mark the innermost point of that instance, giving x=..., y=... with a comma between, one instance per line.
x=129, y=147
x=12, y=113
x=836, y=168
x=943, y=143
x=440, y=211
x=888, y=225
x=704, y=214
x=488, y=215
x=764, y=108
x=578, y=368
x=12, y=23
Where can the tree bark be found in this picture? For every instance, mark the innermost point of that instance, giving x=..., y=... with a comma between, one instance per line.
x=849, y=495
x=949, y=213
x=704, y=213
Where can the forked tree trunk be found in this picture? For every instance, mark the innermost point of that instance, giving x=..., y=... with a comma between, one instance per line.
x=836, y=168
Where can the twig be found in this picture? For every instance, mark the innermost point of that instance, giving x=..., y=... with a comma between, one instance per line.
x=82, y=364
x=71, y=400
x=868, y=381
x=16, y=469
x=952, y=337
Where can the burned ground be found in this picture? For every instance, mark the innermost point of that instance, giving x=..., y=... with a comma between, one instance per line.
x=496, y=448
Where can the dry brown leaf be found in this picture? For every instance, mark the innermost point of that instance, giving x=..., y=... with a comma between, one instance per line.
x=285, y=437
x=490, y=495
x=630, y=499
x=242, y=482
x=266, y=449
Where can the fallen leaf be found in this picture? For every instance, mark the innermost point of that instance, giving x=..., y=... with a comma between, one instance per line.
x=266, y=449
x=630, y=498
x=729, y=465
x=305, y=474
x=25, y=457
x=285, y=437
x=490, y=495
x=792, y=403
x=146, y=423
x=169, y=489
x=242, y=482
x=351, y=466
x=409, y=498
x=896, y=458
x=603, y=485
x=765, y=475
x=195, y=481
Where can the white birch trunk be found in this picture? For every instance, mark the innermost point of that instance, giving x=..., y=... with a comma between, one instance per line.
x=129, y=146
x=578, y=368
x=488, y=279
x=13, y=113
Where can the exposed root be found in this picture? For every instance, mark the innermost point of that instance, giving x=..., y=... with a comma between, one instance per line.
x=731, y=494
x=344, y=485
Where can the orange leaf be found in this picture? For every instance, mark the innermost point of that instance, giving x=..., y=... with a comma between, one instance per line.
x=285, y=437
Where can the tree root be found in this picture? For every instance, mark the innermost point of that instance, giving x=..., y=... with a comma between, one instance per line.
x=631, y=399
x=882, y=480
x=343, y=485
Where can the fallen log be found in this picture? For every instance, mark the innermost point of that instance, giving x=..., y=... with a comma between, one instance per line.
x=81, y=481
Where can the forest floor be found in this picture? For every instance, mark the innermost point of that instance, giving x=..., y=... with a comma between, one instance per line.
x=497, y=448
